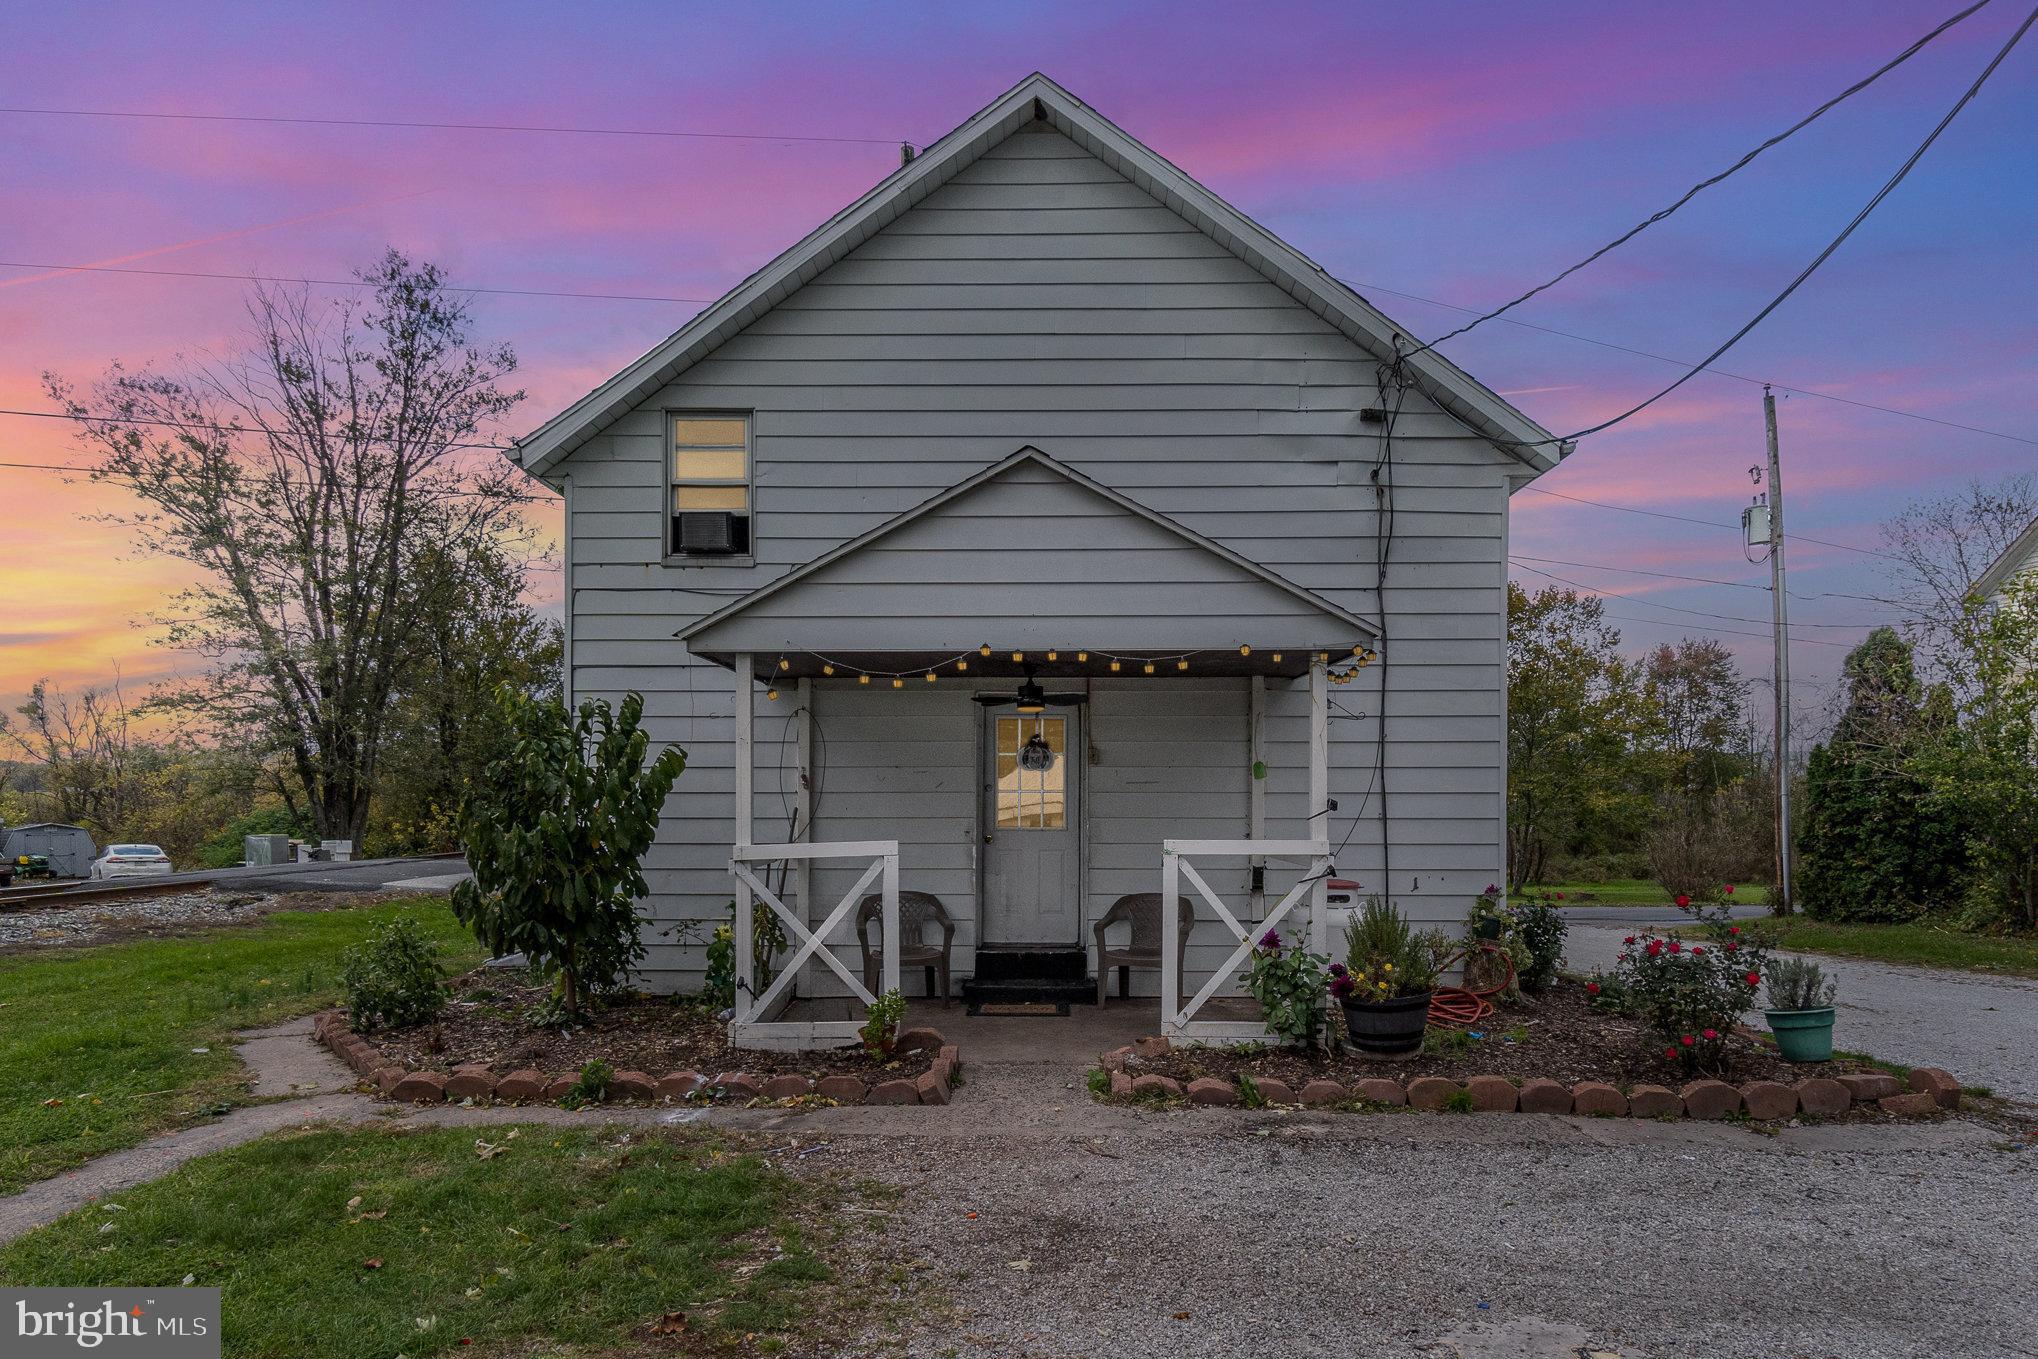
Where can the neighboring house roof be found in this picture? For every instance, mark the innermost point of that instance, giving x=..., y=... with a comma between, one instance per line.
x=2020, y=556
x=1035, y=97
x=993, y=559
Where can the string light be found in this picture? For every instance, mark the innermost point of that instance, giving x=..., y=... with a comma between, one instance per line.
x=930, y=677
x=984, y=650
x=784, y=664
x=1083, y=657
x=898, y=683
x=1018, y=656
x=1277, y=658
x=1114, y=665
x=1054, y=655
x=863, y=679
x=1182, y=664
x=962, y=665
x=771, y=694
x=1244, y=650
x=827, y=669
x=1361, y=656
x=1149, y=666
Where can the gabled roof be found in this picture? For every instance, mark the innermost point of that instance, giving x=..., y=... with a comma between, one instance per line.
x=1035, y=97
x=2019, y=556
x=918, y=582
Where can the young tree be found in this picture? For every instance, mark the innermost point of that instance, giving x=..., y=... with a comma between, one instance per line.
x=1574, y=711
x=309, y=479
x=554, y=829
x=1873, y=846
x=1984, y=770
x=1942, y=546
x=1698, y=723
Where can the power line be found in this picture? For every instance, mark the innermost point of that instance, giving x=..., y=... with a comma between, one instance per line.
x=517, y=496
x=457, y=127
x=1870, y=206
x=1704, y=184
x=1703, y=523
x=1698, y=580
x=1727, y=632
x=346, y=282
x=213, y=426
x=1673, y=608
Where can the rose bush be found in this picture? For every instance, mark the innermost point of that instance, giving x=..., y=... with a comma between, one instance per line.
x=1690, y=994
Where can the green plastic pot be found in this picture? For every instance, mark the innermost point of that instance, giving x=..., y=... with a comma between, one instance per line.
x=1803, y=1035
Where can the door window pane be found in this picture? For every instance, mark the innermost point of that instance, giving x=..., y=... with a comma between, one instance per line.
x=1031, y=797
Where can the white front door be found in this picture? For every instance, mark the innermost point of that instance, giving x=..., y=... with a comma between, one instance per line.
x=1031, y=851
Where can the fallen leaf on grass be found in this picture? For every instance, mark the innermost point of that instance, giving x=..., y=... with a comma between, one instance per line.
x=372, y=1262
x=1181, y=1316
x=486, y=1150
x=1023, y=1266
x=672, y=1323
x=375, y=1216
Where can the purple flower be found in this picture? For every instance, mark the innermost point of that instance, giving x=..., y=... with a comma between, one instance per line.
x=1271, y=941
x=1342, y=985
x=1337, y=969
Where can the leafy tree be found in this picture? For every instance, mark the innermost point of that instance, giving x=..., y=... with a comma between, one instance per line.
x=1983, y=770
x=313, y=481
x=1575, y=710
x=554, y=829
x=1941, y=546
x=1873, y=846
x=1698, y=723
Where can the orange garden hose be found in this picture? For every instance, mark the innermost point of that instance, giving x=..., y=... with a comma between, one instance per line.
x=1461, y=1005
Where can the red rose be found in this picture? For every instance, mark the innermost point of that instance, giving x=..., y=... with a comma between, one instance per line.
x=1655, y=947
x=1669, y=1052
x=1592, y=988
x=1688, y=1040
x=1560, y=896
x=1676, y=946
x=1629, y=940
x=1733, y=929
x=1711, y=1034
x=1730, y=889
x=1683, y=900
x=1697, y=952
x=1753, y=978
x=1733, y=947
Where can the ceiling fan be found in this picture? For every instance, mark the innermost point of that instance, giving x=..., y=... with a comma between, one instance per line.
x=1030, y=698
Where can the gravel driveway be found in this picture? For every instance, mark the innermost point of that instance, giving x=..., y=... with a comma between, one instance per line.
x=1983, y=1029
x=1134, y=1233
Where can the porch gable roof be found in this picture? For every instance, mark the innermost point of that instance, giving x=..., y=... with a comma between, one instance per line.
x=1025, y=555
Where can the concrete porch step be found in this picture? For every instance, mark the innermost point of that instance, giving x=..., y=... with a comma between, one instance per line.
x=1052, y=964
x=1060, y=992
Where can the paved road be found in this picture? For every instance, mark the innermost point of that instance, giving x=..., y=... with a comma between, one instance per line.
x=1983, y=1029
x=362, y=875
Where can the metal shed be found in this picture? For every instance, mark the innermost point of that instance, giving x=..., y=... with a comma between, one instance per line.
x=70, y=848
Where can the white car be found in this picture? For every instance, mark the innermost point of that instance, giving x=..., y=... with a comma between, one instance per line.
x=130, y=861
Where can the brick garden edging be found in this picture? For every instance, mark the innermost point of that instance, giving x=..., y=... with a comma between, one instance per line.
x=734, y=1088
x=1931, y=1091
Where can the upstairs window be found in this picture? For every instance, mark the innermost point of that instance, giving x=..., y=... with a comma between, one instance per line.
x=710, y=486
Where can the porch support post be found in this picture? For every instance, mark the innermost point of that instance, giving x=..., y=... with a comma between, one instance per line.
x=1256, y=788
x=1319, y=795
x=744, y=773
x=803, y=797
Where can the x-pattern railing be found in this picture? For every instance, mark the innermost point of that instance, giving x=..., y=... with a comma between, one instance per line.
x=753, y=1024
x=1178, y=1020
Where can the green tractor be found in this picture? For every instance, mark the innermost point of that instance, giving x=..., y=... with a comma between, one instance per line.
x=27, y=867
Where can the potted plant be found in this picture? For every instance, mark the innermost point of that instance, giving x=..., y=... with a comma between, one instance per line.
x=1800, y=1011
x=1385, y=982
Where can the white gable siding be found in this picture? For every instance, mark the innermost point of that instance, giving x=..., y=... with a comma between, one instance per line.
x=1041, y=299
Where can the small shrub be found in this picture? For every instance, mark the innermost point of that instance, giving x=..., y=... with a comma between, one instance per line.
x=1099, y=1081
x=393, y=980
x=1249, y=1092
x=593, y=1085
x=1459, y=1102
x=1798, y=984
x=880, y=1031
x=1288, y=984
x=1445, y=1042
x=1541, y=930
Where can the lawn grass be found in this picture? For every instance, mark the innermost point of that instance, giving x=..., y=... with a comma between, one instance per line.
x=367, y=1243
x=1919, y=942
x=99, y=1047
x=1637, y=892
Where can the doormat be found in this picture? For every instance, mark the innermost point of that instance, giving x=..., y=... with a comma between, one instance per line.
x=1013, y=1009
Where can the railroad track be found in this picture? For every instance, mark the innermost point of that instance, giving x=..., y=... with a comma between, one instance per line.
x=14, y=899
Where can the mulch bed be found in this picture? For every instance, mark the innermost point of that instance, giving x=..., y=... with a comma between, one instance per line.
x=1557, y=1035
x=487, y=1023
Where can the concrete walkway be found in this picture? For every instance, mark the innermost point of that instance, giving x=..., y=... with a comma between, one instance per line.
x=1983, y=1029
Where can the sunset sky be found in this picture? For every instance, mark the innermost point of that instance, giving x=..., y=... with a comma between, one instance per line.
x=1450, y=152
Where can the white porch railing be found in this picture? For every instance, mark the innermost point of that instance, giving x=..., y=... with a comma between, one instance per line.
x=754, y=1024
x=1179, y=1020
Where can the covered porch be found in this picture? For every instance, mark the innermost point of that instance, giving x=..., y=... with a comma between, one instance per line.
x=1026, y=701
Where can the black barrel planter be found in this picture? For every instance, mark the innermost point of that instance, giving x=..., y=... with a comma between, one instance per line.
x=1387, y=1028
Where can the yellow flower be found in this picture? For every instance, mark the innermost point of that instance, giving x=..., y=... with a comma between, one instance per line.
x=1389, y=967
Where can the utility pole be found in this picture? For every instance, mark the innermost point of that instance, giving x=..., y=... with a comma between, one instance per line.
x=1781, y=613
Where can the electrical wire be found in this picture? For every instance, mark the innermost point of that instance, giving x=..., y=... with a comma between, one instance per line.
x=1707, y=523
x=551, y=129
x=1673, y=608
x=215, y=426
x=1698, y=580
x=344, y=282
x=1870, y=206
x=1704, y=184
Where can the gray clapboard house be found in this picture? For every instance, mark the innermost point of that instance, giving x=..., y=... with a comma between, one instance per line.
x=1021, y=537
